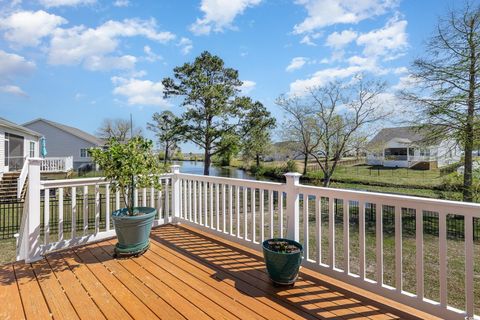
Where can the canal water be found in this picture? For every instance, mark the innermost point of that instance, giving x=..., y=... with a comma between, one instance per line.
x=196, y=167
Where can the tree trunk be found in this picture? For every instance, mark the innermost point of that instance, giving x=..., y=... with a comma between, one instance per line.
x=326, y=179
x=165, y=158
x=206, y=163
x=305, y=164
x=469, y=139
x=257, y=159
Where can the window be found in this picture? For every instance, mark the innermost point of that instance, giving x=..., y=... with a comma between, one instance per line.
x=411, y=152
x=84, y=153
x=32, y=149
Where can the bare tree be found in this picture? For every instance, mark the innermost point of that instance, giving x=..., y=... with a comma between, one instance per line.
x=340, y=112
x=447, y=82
x=118, y=129
x=298, y=127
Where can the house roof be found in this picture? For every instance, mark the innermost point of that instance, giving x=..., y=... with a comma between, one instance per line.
x=71, y=130
x=410, y=134
x=8, y=124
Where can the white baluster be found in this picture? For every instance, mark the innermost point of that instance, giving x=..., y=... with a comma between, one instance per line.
x=346, y=235
x=46, y=215
x=305, y=227
x=60, y=214
x=97, y=209
x=74, y=212
x=85, y=210
x=419, y=253
x=245, y=213
x=262, y=215
x=107, y=207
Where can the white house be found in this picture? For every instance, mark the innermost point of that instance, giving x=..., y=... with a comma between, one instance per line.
x=64, y=141
x=406, y=147
x=16, y=143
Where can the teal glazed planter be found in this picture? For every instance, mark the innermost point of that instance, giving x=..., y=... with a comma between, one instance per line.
x=133, y=232
x=282, y=267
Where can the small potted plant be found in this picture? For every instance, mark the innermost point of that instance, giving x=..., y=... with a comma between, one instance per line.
x=129, y=166
x=282, y=258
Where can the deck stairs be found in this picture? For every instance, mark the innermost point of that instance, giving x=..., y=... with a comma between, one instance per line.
x=8, y=187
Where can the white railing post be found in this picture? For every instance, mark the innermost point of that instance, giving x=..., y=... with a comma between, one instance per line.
x=293, y=210
x=176, y=193
x=31, y=231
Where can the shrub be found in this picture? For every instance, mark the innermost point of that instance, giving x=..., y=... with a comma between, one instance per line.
x=291, y=166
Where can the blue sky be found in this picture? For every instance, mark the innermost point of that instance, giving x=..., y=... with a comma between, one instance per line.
x=80, y=61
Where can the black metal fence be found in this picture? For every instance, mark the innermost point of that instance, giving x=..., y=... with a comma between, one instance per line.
x=455, y=223
x=11, y=213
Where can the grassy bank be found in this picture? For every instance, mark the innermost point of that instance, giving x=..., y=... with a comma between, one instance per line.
x=422, y=183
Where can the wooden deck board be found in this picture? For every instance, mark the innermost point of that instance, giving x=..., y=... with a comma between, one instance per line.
x=9, y=292
x=56, y=299
x=186, y=274
x=78, y=296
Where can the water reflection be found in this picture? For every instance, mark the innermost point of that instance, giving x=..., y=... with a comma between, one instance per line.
x=196, y=167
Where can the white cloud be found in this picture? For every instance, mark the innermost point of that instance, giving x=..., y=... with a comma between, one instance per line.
x=322, y=77
x=151, y=56
x=219, y=15
x=405, y=82
x=27, y=28
x=389, y=41
x=308, y=39
x=102, y=63
x=59, y=3
x=121, y=3
x=140, y=92
x=296, y=63
x=322, y=13
x=247, y=86
x=186, y=45
x=13, y=65
x=81, y=45
x=339, y=40
x=11, y=89
x=400, y=70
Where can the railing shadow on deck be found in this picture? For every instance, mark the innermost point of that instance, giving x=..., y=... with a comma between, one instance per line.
x=247, y=271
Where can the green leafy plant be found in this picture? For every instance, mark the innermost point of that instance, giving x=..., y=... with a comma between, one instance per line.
x=129, y=166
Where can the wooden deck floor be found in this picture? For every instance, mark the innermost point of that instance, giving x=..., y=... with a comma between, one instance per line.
x=185, y=274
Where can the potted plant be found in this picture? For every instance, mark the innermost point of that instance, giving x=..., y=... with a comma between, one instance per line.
x=129, y=166
x=282, y=258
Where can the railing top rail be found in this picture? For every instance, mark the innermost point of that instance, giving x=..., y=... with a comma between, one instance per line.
x=65, y=183
x=385, y=198
x=233, y=181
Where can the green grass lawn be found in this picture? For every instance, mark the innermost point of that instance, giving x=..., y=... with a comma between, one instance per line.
x=402, y=177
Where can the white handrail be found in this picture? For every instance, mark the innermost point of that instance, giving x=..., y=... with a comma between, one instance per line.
x=22, y=178
x=250, y=211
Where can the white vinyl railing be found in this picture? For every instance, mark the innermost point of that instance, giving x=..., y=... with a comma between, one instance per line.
x=65, y=213
x=47, y=165
x=57, y=164
x=344, y=232
x=22, y=178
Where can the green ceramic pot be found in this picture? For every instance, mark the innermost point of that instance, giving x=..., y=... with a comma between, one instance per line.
x=282, y=267
x=133, y=232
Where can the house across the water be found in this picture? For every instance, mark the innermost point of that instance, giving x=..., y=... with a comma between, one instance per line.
x=16, y=144
x=408, y=147
x=63, y=140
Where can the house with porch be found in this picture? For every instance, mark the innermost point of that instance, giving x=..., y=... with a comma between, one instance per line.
x=63, y=140
x=16, y=143
x=407, y=147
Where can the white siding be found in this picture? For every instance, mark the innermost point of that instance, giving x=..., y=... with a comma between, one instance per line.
x=2, y=152
x=61, y=143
